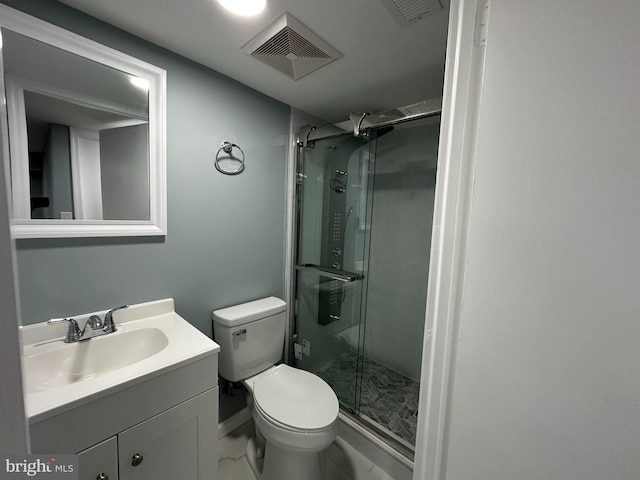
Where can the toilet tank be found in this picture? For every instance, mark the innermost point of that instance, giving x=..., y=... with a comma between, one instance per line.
x=251, y=337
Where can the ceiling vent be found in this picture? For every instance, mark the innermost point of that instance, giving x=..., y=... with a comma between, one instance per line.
x=407, y=12
x=289, y=46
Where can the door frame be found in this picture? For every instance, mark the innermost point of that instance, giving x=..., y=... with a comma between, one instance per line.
x=14, y=432
x=464, y=74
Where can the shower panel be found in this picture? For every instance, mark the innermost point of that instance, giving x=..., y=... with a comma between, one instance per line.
x=364, y=214
x=332, y=251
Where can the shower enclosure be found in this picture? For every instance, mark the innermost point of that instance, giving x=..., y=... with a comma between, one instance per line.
x=364, y=214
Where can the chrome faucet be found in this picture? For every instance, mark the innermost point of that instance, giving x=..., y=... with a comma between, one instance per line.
x=73, y=332
x=109, y=325
x=94, y=326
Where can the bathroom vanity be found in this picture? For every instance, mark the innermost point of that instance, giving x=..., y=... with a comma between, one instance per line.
x=139, y=403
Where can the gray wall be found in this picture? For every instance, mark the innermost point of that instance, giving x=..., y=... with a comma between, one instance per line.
x=56, y=167
x=225, y=241
x=124, y=173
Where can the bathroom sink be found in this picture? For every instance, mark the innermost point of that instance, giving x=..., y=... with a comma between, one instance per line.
x=58, y=363
x=151, y=339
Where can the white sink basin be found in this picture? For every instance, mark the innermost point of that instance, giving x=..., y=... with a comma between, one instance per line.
x=151, y=338
x=60, y=364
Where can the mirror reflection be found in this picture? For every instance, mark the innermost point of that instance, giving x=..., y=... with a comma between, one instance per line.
x=76, y=154
x=79, y=135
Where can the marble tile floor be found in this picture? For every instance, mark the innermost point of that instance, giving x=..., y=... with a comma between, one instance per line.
x=339, y=461
x=387, y=398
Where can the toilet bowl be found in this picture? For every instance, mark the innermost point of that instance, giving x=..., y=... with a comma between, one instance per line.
x=295, y=412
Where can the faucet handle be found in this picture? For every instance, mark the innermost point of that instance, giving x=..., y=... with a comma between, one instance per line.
x=109, y=324
x=73, y=330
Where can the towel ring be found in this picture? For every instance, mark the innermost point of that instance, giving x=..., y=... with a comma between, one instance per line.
x=227, y=148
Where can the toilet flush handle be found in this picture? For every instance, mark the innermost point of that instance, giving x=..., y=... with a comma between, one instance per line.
x=237, y=333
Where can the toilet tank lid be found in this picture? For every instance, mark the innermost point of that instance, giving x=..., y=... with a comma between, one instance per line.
x=248, y=312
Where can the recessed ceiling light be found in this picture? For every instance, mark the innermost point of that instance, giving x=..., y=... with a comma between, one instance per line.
x=245, y=8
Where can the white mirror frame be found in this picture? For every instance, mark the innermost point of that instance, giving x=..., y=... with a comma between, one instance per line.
x=22, y=227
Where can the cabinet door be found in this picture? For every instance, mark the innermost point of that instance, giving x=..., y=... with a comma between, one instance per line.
x=99, y=462
x=180, y=443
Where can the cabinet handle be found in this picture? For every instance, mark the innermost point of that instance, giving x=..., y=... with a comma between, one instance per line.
x=102, y=476
x=136, y=459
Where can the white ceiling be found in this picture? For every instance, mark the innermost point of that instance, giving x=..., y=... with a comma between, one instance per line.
x=383, y=64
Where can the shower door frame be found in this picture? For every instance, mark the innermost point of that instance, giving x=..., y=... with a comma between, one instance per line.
x=362, y=126
x=330, y=132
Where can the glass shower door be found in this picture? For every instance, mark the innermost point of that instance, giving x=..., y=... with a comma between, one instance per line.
x=333, y=176
x=397, y=273
x=365, y=213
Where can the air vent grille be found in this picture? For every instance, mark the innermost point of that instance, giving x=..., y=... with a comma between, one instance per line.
x=408, y=12
x=290, y=47
x=287, y=42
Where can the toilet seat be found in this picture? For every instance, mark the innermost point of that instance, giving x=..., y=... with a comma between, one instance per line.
x=295, y=399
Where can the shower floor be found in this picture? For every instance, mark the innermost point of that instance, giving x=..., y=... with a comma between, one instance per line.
x=387, y=398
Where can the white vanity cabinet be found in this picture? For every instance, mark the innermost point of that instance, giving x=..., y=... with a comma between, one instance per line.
x=180, y=443
x=100, y=461
x=144, y=394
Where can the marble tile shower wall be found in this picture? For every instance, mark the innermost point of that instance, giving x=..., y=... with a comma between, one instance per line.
x=402, y=209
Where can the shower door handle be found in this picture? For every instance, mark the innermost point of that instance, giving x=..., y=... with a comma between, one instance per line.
x=329, y=272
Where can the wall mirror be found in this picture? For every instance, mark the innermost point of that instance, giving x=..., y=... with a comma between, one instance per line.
x=86, y=134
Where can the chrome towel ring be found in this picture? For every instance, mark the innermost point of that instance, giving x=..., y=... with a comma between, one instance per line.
x=227, y=149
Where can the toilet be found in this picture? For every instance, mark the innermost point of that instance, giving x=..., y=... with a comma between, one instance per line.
x=295, y=412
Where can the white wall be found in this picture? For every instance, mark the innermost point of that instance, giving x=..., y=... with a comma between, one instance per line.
x=85, y=174
x=546, y=380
